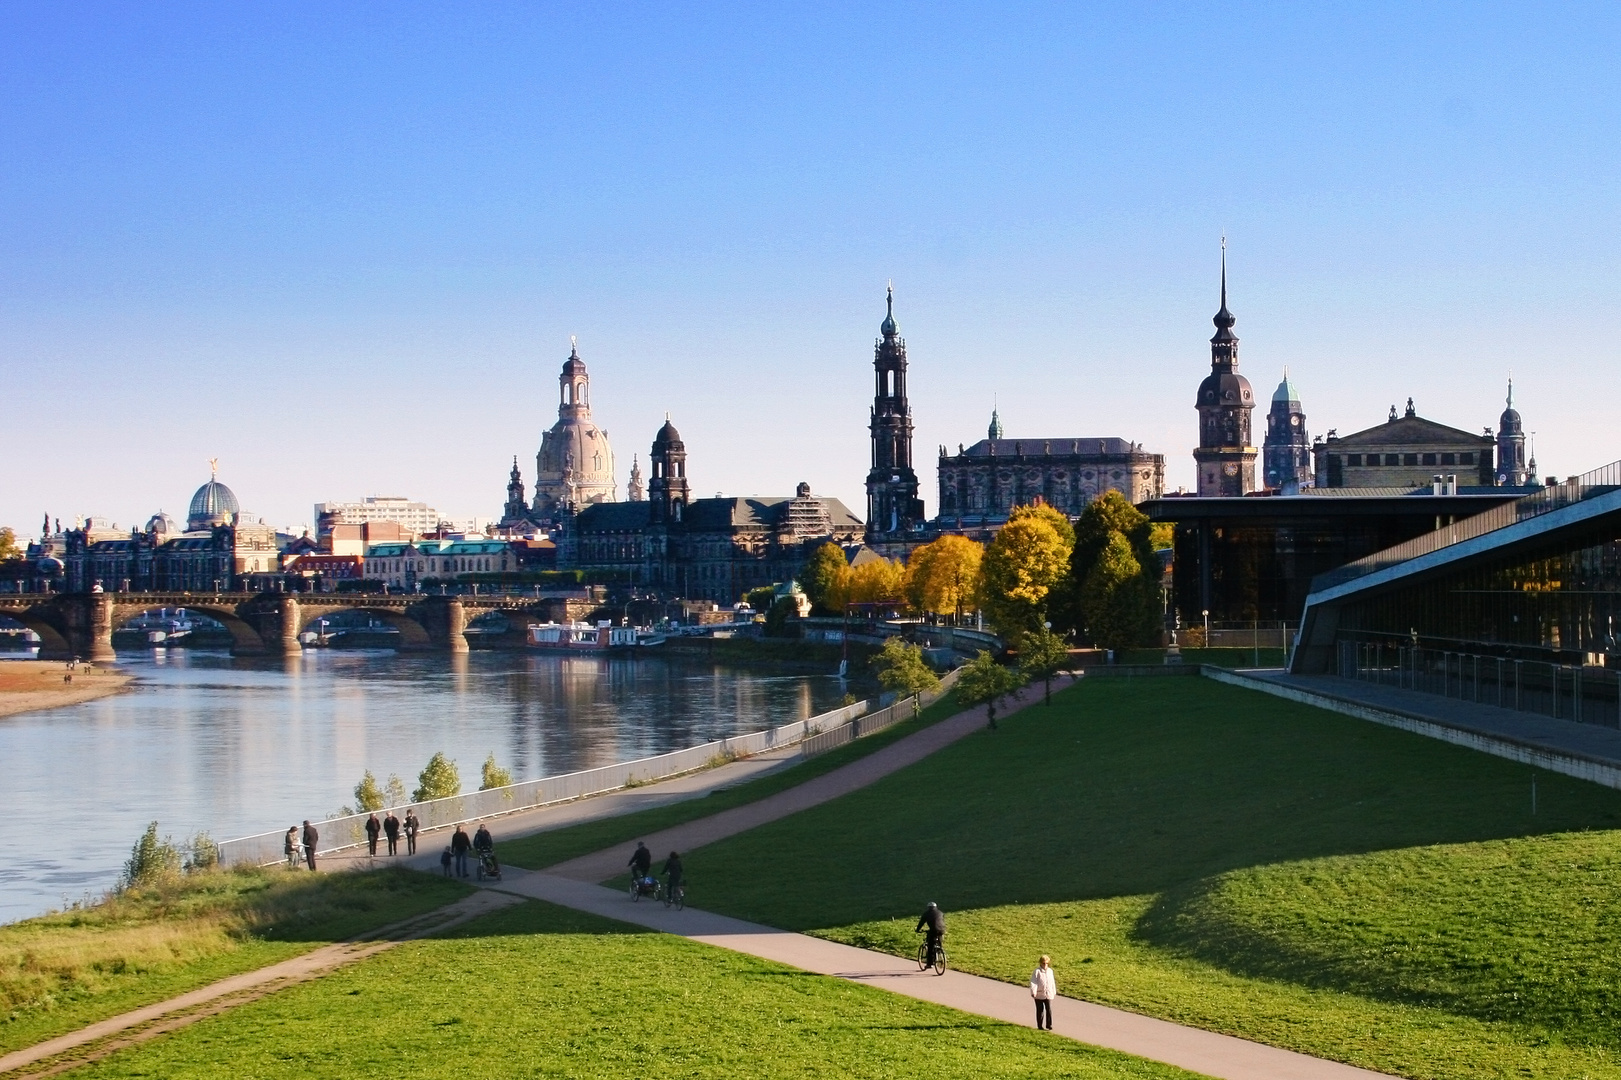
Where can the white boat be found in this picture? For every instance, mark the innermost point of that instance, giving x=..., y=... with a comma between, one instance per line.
x=579, y=637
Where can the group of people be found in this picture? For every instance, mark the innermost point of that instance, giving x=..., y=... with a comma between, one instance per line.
x=481, y=842
x=641, y=864
x=1043, y=983
x=300, y=845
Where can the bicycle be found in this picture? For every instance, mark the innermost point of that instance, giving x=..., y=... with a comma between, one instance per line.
x=939, y=957
x=676, y=897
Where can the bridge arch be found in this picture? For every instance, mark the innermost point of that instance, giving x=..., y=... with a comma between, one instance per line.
x=53, y=640
x=413, y=635
x=245, y=638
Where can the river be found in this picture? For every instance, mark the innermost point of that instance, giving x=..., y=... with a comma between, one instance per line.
x=206, y=742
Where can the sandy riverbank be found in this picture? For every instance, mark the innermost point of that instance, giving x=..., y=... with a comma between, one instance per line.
x=28, y=685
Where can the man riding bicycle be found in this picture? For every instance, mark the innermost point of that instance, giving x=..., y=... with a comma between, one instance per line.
x=641, y=861
x=933, y=921
x=677, y=878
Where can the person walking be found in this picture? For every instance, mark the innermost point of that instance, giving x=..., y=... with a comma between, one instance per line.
x=391, y=829
x=412, y=827
x=461, y=845
x=1044, y=987
x=444, y=860
x=290, y=847
x=373, y=827
x=312, y=836
x=483, y=842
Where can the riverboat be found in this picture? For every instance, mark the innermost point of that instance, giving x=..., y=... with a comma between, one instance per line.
x=579, y=637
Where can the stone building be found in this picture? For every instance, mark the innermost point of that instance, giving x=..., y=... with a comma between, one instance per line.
x=1513, y=467
x=575, y=465
x=1225, y=455
x=981, y=485
x=1405, y=451
x=894, y=511
x=1286, y=453
x=701, y=549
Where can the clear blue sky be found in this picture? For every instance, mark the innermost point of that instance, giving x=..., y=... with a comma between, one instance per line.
x=342, y=247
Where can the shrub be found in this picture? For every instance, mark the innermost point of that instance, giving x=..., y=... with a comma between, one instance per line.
x=151, y=861
x=203, y=853
x=494, y=775
x=438, y=779
x=394, y=790
x=368, y=796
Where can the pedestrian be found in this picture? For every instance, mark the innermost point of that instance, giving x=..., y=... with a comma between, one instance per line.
x=290, y=847
x=391, y=829
x=412, y=827
x=483, y=842
x=1044, y=987
x=373, y=827
x=312, y=836
x=461, y=845
x=444, y=860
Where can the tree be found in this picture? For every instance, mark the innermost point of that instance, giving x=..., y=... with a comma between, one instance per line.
x=776, y=620
x=760, y=599
x=1105, y=517
x=394, y=790
x=943, y=576
x=494, y=775
x=901, y=668
x=438, y=779
x=8, y=545
x=1051, y=515
x=1043, y=654
x=1119, y=602
x=877, y=580
x=985, y=682
x=368, y=796
x=1022, y=565
x=823, y=579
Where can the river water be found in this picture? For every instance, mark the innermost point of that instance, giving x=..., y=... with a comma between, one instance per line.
x=238, y=746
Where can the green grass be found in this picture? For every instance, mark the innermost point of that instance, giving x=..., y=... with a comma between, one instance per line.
x=1224, y=858
x=538, y=990
x=62, y=971
x=541, y=850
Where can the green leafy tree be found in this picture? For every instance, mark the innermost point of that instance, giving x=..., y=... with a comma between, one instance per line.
x=394, y=790
x=368, y=796
x=760, y=599
x=825, y=578
x=1043, y=654
x=1026, y=561
x=1119, y=602
x=943, y=576
x=494, y=776
x=438, y=779
x=901, y=668
x=776, y=619
x=1107, y=516
x=151, y=861
x=8, y=545
x=983, y=681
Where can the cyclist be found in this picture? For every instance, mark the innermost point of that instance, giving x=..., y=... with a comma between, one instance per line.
x=641, y=861
x=672, y=870
x=933, y=921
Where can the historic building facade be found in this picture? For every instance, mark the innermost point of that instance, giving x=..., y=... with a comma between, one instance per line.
x=701, y=549
x=894, y=511
x=1225, y=455
x=1405, y=451
x=1286, y=453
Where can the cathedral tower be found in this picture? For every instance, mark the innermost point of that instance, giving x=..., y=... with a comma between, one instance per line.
x=1286, y=453
x=1512, y=468
x=667, y=487
x=893, y=506
x=575, y=465
x=1226, y=458
x=515, y=507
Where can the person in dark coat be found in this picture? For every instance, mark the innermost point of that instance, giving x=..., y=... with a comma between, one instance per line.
x=312, y=836
x=675, y=876
x=290, y=847
x=933, y=921
x=483, y=841
x=373, y=827
x=444, y=861
x=391, y=829
x=641, y=861
x=412, y=827
x=460, y=845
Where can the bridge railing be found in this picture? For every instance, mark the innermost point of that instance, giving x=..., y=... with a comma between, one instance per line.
x=345, y=832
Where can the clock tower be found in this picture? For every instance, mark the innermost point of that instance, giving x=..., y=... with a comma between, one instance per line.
x=1286, y=453
x=1225, y=455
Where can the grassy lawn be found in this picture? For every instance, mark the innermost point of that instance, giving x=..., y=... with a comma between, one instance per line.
x=1228, y=859
x=541, y=850
x=60, y=972
x=538, y=990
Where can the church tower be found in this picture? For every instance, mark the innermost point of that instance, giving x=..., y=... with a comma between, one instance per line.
x=667, y=488
x=515, y=508
x=1512, y=468
x=1226, y=458
x=634, y=491
x=1286, y=453
x=893, y=506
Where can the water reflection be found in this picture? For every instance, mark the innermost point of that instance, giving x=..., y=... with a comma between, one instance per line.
x=243, y=746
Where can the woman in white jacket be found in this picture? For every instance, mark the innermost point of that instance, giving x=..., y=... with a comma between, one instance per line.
x=1044, y=987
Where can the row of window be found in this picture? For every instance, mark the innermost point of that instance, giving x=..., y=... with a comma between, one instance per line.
x=1406, y=459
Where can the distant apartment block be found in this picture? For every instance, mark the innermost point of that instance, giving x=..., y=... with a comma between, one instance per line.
x=415, y=517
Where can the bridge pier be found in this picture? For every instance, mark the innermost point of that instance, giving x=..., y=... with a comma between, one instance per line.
x=290, y=645
x=101, y=629
x=455, y=627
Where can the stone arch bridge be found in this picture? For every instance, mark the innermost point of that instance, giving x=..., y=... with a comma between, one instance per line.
x=82, y=624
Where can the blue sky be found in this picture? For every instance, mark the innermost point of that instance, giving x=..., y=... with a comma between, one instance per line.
x=342, y=249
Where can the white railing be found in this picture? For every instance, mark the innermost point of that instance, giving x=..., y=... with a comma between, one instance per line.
x=873, y=722
x=345, y=832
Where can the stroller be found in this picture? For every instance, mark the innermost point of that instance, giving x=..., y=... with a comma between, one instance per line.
x=645, y=885
x=489, y=868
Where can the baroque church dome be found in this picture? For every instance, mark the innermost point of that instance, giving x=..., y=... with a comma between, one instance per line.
x=575, y=465
x=214, y=504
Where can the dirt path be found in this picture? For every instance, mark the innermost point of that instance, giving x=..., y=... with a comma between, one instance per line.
x=30, y=685
x=127, y=1029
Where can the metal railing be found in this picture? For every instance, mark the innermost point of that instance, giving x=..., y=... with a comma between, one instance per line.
x=873, y=722
x=1579, y=693
x=1600, y=481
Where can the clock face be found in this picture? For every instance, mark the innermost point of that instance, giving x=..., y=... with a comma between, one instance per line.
x=1295, y=420
x=1231, y=468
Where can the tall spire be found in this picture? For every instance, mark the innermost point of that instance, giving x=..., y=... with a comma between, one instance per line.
x=889, y=328
x=1224, y=319
x=1511, y=388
